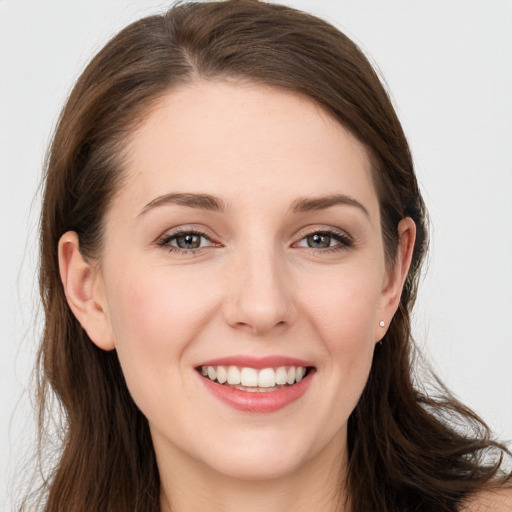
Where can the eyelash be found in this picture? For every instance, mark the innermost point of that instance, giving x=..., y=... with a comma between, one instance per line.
x=167, y=239
x=344, y=241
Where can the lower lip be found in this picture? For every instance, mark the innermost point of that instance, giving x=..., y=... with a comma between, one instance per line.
x=258, y=401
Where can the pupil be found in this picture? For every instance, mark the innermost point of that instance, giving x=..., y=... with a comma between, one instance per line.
x=189, y=241
x=318, y=241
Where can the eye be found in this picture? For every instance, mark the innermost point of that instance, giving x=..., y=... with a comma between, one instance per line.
x=186, y=241
x=325, y=240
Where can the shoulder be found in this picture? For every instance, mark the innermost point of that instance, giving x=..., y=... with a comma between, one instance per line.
x=496, y=500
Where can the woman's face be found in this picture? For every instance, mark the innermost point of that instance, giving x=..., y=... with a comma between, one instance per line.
x=244, y=243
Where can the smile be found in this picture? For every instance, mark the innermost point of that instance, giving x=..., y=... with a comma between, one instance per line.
x=255, y=380
x=257, y=385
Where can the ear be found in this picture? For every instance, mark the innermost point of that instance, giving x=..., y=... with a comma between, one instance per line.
x=83, y=287
x=396, y=275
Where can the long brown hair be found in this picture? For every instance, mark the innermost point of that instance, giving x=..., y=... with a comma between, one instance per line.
x=407, y=450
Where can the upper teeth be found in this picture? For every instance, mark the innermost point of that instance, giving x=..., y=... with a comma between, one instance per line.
x=264, y=378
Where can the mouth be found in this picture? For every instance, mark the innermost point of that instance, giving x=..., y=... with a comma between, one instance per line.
x=254, y=380
x=256, y=388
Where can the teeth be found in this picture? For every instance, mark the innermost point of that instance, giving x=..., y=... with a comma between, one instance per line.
x=233, y=375
x=267, y=378
x=249, y=377
x=222, y=374
x=281, y=376
x=253, y=379
x=212, y=373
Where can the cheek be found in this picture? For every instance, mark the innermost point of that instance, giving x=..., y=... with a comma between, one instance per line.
x=344, y=317
x=154, y=315
x=346, y=310
x=157, y=306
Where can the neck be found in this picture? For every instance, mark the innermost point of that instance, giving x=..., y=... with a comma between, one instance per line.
x=317, y=486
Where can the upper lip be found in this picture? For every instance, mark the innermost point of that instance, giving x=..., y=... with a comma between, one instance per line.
x=256, y=362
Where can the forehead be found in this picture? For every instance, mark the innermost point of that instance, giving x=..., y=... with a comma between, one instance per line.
x=244, y=140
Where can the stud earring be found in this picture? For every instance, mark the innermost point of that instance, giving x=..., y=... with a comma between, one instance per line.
x=382, y=323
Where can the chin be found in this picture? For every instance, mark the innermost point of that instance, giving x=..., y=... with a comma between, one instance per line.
x=258, y=466
x=267, y=455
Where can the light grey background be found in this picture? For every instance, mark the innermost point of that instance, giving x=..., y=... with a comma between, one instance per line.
x=448, y=64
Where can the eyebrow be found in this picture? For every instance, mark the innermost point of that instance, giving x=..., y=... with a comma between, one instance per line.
x=200, y=201
x=306, y=204
x=212, y=203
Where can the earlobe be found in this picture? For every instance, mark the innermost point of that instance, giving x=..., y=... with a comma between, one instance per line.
x=84, y=291
x=397, y=274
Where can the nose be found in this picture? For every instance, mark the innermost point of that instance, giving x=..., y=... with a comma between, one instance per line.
x=259, y=294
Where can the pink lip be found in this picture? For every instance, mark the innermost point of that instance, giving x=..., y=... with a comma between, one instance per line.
x=256, y=362
x=258, y=401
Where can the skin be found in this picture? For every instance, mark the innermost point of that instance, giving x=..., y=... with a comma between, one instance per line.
x=255, y=287
x=496, y=500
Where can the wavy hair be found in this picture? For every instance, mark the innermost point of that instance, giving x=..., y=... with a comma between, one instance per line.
x=409, y=449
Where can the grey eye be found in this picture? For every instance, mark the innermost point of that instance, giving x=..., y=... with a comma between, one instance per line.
x=325, y=240
x=319, y=241
x=187, y=241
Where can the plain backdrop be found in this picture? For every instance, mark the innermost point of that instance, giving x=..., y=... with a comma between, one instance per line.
x=448, y=65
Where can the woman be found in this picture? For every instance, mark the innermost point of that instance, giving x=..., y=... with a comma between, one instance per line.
x=231, y=238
